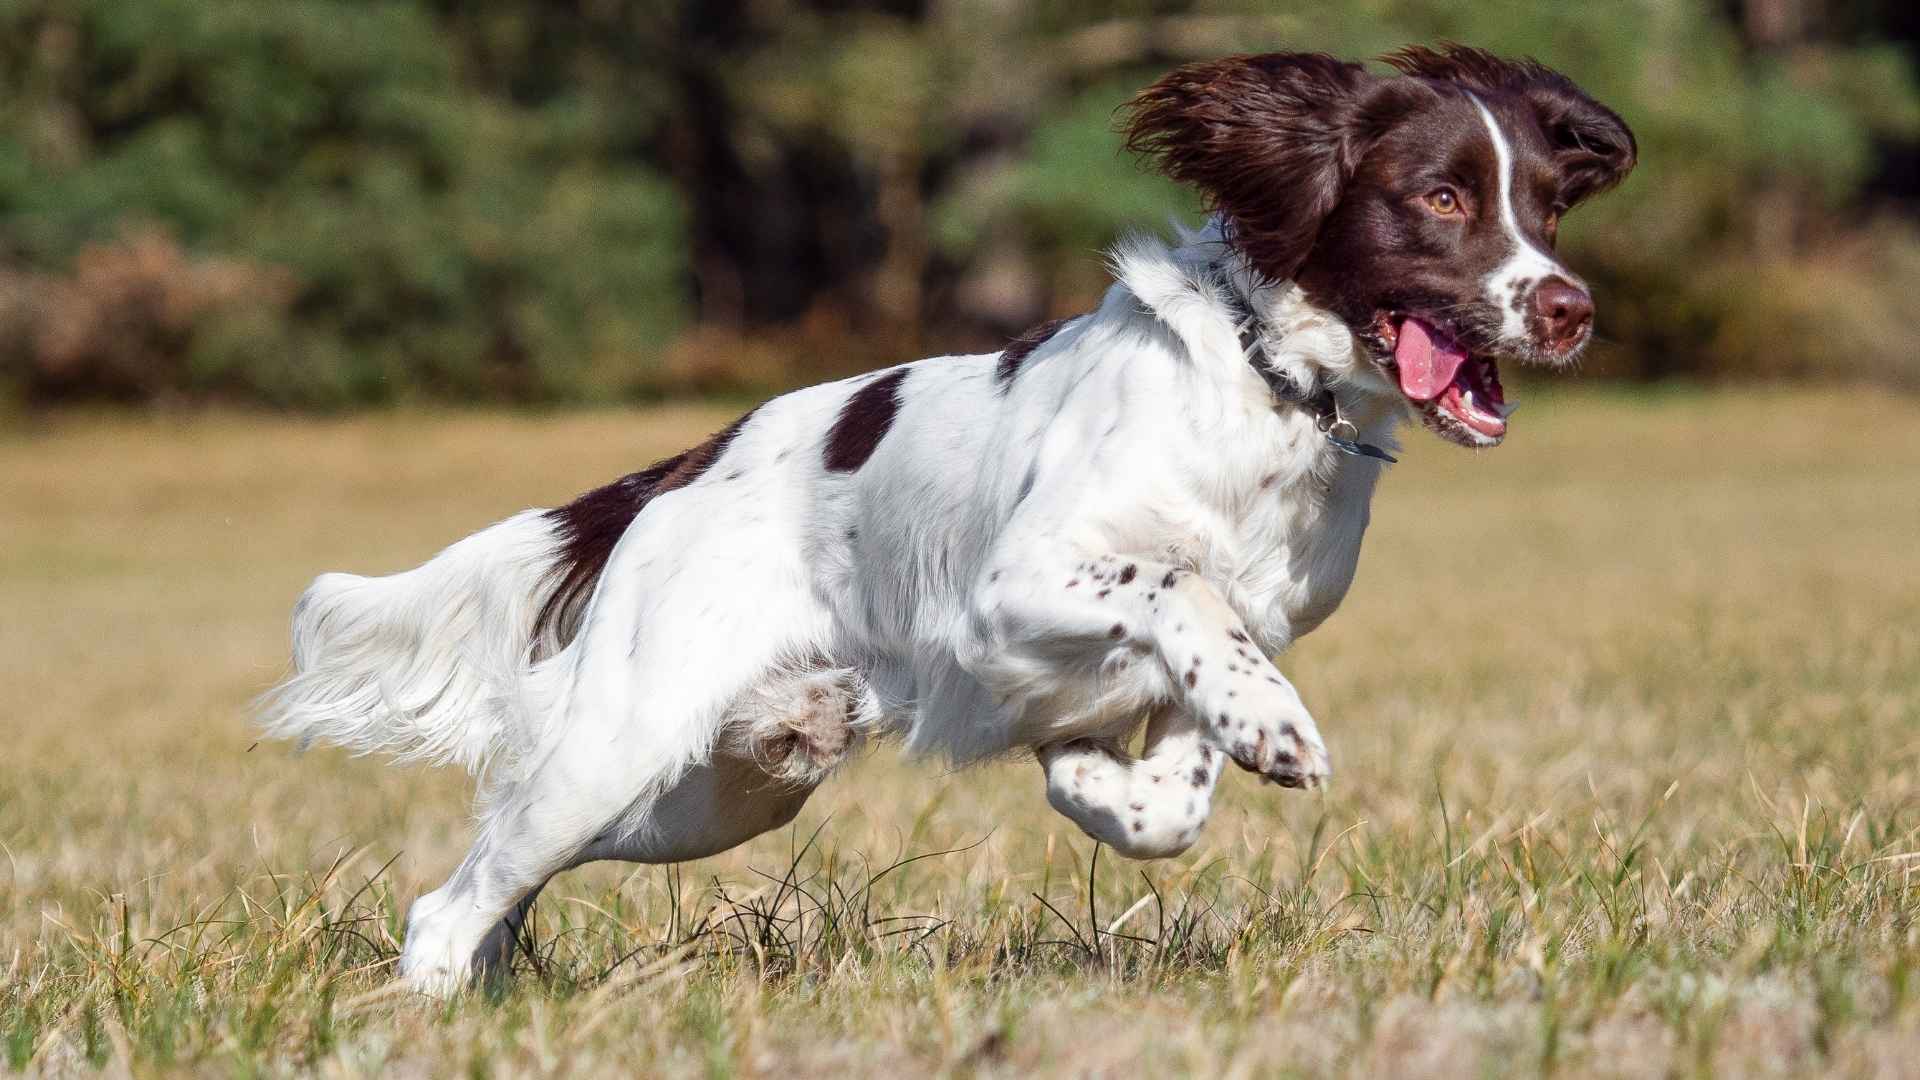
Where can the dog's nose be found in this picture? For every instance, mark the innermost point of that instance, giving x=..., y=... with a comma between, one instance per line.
x=1562, y=312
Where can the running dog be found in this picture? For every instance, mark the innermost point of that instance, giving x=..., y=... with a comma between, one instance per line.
x=1114, y=522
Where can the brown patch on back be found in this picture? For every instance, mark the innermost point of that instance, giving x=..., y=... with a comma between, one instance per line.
x=1017, y=351
x=863, y=421
x=589, y=527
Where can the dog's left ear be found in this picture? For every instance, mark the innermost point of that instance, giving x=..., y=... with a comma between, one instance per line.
x=1593, y=147
x=1269, y=140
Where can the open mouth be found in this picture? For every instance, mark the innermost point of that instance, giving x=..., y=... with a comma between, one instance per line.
x=1457, y=392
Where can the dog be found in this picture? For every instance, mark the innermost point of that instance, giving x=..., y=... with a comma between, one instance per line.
x=1114, y=522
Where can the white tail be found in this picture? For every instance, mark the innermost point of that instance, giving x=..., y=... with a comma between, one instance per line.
x=426, y=665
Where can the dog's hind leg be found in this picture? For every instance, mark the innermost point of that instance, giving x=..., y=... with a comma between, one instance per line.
x=779, y=740
x=468, y=927
x=700, y=602
x=713, y=808
x=1150, y=808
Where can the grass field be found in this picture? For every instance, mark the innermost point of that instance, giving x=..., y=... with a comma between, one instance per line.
x=1625, y=719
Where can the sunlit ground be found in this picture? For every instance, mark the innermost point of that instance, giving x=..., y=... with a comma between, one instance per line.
x=1625, y=718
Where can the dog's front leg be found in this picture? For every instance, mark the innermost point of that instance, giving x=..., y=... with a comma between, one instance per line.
x=1040, y=616
x=1150, y=808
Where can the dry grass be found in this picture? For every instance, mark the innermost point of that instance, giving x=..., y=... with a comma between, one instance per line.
x=1624, y=717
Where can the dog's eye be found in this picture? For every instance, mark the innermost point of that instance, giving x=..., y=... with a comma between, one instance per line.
x=1443, y=201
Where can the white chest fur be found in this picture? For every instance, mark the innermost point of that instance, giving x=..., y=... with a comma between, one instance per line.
x=1303, y=545
x=1282, y=535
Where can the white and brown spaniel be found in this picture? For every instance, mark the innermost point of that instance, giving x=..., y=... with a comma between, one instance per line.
x=1116, y=521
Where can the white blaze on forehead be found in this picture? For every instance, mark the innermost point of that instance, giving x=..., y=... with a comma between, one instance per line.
x=1527, y=266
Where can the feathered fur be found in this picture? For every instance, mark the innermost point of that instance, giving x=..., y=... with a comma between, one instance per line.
x=428, y=665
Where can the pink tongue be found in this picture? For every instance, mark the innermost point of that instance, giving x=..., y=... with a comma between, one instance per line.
x=1427, y=360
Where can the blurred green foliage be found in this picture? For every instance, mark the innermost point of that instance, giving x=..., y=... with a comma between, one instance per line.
x=442, y=238
x=325, y=202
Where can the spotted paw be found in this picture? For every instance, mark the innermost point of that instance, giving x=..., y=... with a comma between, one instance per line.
x=1299, y=761
x=1275, y=738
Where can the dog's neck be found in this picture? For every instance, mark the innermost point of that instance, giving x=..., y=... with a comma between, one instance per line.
x=1302, y=352
x=1304, y=342
x=1202, y=287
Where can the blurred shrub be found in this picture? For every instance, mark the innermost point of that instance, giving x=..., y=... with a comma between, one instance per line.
x=1844, y=310
x=135, y=318
x=376, y=226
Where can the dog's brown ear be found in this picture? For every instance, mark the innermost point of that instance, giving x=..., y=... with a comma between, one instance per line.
x=1593, y=147
x=1269, y=140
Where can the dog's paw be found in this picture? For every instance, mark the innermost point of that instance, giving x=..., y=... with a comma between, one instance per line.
x=1299, y=760
x=433, y=978
x=431, y=961
x=1272, y=734
x=1085, y=773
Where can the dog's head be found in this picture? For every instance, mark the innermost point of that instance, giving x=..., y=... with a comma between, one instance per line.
x=1419, y=208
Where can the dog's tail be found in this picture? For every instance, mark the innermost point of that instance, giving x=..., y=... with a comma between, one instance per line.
x=427, y=665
